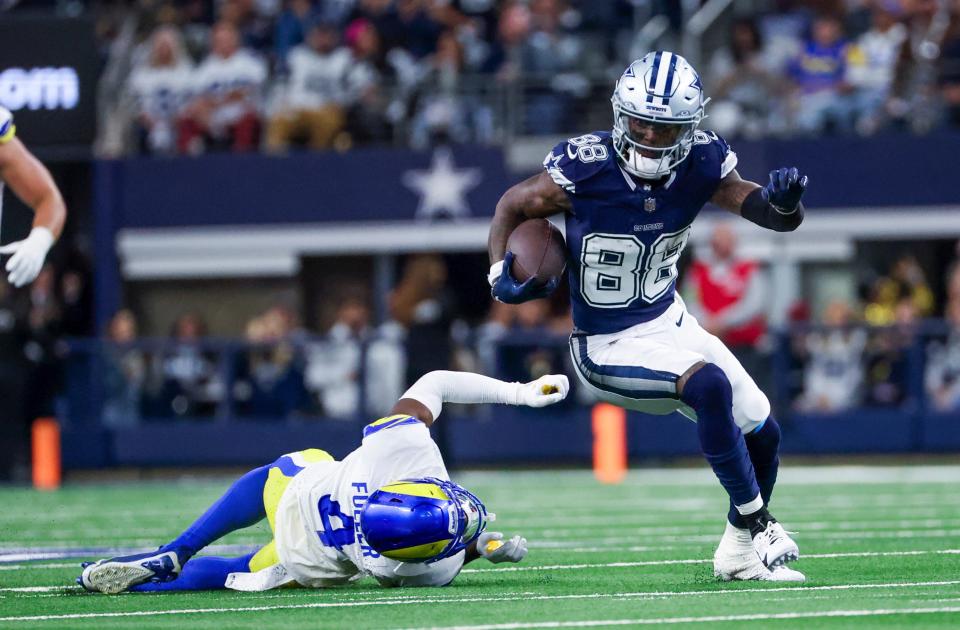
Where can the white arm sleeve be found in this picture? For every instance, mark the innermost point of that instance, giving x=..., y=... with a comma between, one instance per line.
x=441, y=386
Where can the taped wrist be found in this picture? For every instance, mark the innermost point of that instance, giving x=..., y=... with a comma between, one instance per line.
x=757, y=209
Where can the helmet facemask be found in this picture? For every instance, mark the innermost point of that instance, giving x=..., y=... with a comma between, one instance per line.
x=648, y=146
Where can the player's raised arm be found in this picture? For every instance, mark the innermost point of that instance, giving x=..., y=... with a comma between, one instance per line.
x=775, y=206
x=32, y=183
x=424, y=400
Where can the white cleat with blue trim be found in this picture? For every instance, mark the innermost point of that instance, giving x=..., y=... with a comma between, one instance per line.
x=116, y=575
x=737, y=559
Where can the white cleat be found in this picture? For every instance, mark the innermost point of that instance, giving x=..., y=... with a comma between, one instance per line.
x=774, y=546
x=119, y=574
x=736, y=559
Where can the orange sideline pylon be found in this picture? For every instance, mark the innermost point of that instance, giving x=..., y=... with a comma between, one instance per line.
x=609, y=443
x=46, y=454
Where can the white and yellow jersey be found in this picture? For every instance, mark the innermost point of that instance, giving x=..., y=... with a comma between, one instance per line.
x=317, y=530
x=7, y=129
x=7, y=132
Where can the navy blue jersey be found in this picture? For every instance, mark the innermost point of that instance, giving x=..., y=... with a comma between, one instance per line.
x=624, y=235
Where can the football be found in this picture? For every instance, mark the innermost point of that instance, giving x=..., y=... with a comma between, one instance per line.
x=538, y=251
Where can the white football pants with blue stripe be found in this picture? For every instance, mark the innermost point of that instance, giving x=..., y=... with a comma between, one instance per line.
x=638, y=368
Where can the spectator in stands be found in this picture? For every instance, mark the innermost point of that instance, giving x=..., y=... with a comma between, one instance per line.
x=550, y=57
x=191, y=385
x=270, y=379
x=444, y=113
x=728, y=296
x=870, y=64
x=913, y=101
x=887, y=357
x=948, y=79
x=420, y=30
x=224, y=112
x=160, y=88
x=323, y=84
x=254, y=20
x=334, y=364
x=818, y=72
x=125, y=371
x=291, y=29
x=906, y=281
x=942, y=376
x=742, y=83
x=833, y=372
x=367, y=120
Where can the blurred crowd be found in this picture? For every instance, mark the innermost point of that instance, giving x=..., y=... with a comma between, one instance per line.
x=890, y=346
x=887, y=350
x=198, y=75
x=281, y=369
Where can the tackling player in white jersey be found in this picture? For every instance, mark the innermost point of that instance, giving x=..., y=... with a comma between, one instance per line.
x=31, y=182
x=388, y=510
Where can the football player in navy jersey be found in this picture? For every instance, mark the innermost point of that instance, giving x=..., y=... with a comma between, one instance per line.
x=629, y=198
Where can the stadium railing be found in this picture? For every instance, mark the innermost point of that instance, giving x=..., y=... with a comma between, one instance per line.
x=217, y=400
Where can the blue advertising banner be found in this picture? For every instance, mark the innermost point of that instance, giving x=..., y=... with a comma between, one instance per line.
x=362, y=185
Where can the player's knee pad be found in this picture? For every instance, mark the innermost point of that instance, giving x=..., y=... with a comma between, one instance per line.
x=708, y=389
x=750, y=408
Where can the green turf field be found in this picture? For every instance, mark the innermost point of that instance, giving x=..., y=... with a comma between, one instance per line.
x=881, y=549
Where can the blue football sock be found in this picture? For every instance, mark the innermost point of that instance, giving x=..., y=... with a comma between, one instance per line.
x=200, y=574
x=764, y=446
x=708, y=393
x=240, y=506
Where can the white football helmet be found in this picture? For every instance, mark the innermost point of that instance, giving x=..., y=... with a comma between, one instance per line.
x=657, y=106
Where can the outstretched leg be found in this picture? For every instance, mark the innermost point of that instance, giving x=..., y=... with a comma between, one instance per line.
x=240, y=506
x=201, y=574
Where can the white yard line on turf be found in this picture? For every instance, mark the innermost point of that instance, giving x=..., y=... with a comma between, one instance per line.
x=466, y=600
x=646, y=563
x=607, y=565
x=711, y=619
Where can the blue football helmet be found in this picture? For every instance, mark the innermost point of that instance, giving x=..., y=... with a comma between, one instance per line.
x=422, y=520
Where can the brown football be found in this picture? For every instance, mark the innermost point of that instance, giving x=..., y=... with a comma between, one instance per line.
x=538, y=250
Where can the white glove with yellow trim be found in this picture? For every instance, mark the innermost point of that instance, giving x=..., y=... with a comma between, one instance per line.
x=544, y=391
x=28, y=256
x=490, y=545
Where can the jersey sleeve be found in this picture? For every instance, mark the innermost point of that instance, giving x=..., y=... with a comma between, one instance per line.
x=7, y=129
x=725, y=155
x=573, y=162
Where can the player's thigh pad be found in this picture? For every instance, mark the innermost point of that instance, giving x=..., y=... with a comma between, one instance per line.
x=635, y=371
x=282, y=472
x=750, y=404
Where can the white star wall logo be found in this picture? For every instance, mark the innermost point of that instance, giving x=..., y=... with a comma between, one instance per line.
x=442, y=188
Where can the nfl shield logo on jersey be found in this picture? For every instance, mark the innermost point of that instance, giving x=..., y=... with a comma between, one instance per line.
x=650, y=204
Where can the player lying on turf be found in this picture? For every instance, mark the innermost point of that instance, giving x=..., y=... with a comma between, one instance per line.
x=31, y=182
x=629, y=199
x=388, y=510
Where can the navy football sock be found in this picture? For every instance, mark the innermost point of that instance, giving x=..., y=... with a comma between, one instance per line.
x=708, y=393
x=763, y=443
x=200, y=574
x=240, y=506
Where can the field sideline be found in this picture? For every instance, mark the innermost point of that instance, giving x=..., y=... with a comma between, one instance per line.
x=880, y=545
